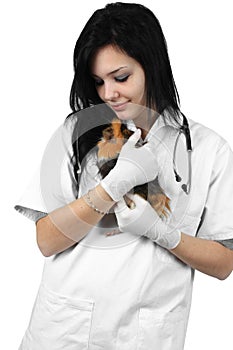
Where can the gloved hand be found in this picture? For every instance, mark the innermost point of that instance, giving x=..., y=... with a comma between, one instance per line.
x=144, y=221
x=135, y=166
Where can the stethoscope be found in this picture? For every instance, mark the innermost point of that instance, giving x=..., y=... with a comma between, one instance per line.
x=184, y=129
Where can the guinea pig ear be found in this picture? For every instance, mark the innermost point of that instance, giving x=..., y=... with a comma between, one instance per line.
x=127, y=133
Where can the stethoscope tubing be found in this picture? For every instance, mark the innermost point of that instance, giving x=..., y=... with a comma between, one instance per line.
x=185, y=130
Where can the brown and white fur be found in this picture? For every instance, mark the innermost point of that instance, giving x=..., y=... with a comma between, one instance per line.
x=113, y=138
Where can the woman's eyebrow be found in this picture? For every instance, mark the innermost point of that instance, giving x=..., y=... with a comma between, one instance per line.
x=116, y=70
x=112, y=72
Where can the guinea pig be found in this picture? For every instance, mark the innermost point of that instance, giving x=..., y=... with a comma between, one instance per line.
x=108, y=148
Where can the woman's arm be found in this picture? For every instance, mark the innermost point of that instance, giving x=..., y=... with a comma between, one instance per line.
x=65, y=226
x=207, y=256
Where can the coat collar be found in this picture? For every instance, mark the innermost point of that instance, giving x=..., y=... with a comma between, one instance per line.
x=163, y=120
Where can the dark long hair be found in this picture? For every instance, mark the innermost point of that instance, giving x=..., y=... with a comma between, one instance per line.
x=136, y=31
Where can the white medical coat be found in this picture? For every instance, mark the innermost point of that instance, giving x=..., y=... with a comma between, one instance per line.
x=123, y=292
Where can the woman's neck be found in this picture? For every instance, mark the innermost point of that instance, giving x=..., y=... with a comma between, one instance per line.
x=145, y=123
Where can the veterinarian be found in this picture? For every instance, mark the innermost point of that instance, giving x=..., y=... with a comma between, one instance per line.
x=132, y=289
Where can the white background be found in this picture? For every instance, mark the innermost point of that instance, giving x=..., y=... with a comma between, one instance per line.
x=37, y=41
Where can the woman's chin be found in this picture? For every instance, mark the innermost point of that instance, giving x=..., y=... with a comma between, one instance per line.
x=130, y=111
x=123, y=115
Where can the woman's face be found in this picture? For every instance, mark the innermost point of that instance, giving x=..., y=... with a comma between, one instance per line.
x=120, y=81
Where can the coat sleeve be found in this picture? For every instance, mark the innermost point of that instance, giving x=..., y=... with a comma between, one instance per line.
x=217, y=217
x=53, y=185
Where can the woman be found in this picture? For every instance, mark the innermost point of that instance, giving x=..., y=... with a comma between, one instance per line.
x=130, y=290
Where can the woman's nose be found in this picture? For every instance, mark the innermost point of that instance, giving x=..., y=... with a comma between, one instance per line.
x=110, y=92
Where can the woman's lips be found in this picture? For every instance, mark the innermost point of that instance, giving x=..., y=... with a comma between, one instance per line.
x=119, y=106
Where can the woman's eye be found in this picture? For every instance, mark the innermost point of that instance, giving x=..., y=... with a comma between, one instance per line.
x=121, y=79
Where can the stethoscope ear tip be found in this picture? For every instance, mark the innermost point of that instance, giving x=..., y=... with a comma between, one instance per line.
x=178, y=178
x=185, y=188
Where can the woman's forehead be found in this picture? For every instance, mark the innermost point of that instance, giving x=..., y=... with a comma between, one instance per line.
x=109, y=60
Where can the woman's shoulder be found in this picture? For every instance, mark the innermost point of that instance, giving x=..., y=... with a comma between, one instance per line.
x=204, y=135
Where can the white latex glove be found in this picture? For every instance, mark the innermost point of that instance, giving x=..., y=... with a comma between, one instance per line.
x=144, y=221
x=135, y=166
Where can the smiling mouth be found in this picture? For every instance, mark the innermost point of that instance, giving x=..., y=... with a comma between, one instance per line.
x=119, y=106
